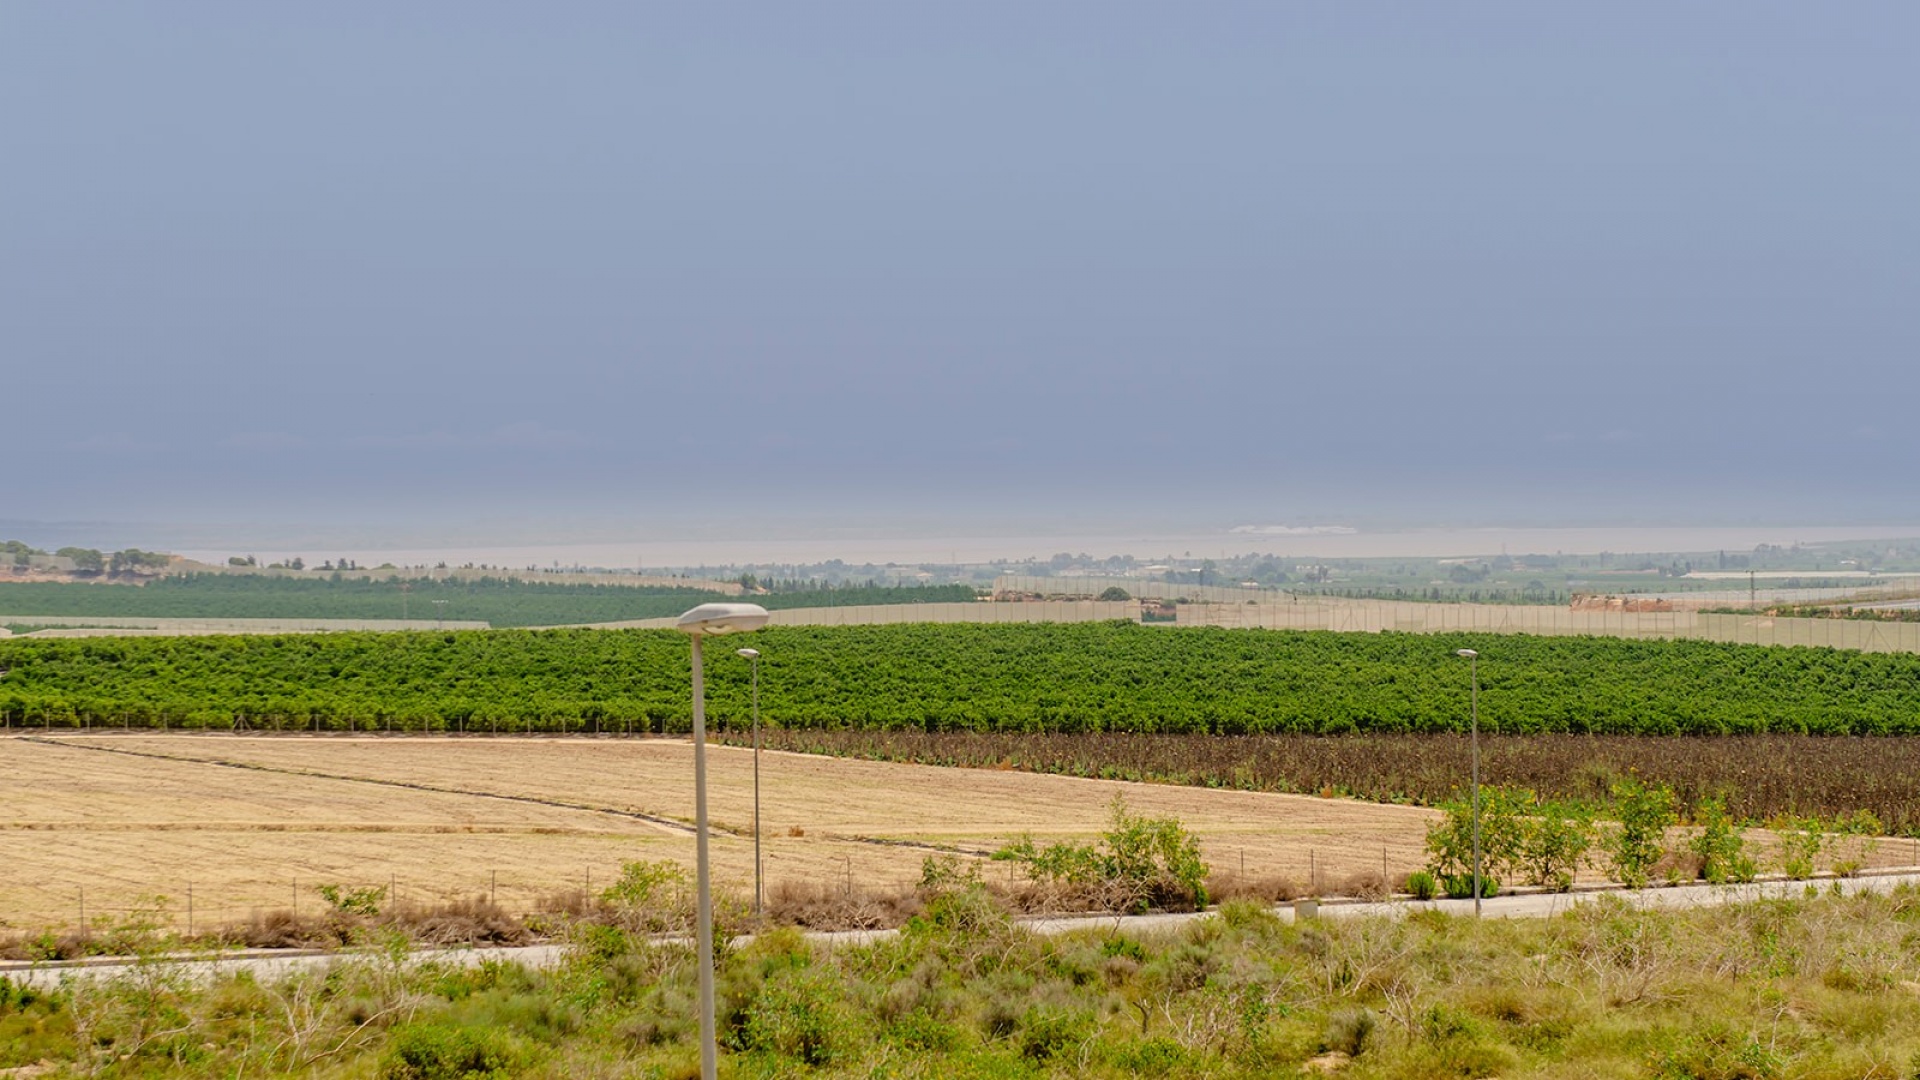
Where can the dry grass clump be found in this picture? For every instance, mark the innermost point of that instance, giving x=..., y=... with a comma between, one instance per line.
x=1059, y=897
x=1070, y=898
x=477, y=921
x=567, y=903
x=1676, y=866
x=1229, y=885
x=818, y=905
x=65, y=945
x=1367, y=885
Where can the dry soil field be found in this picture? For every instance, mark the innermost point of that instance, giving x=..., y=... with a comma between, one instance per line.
x=250, y=823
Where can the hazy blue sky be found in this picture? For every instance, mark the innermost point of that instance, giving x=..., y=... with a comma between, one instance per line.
x=1251, y=262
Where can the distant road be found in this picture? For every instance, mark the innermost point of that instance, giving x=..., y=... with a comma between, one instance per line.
x=1251, y=609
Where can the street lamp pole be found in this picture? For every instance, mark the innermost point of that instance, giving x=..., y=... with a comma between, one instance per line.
x=700, y=622
x=759, y=904
x=1473, y=660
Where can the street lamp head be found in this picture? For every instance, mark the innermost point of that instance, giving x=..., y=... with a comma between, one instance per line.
x=1468, y=653
x=722, y=619
x=751, y=654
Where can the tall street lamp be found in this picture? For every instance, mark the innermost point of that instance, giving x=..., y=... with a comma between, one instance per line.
x=700, y=622
x=753, y=657
x=1473, y=659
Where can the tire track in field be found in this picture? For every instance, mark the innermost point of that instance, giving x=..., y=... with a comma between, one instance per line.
x=665, y=824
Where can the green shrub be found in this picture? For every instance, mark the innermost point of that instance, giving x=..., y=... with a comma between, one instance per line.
x=1644, y=814
x=1349, y=1031
x=1800, y=840
x=1516, y=834
x=649, y=897
x=1421, y=885
x=443, y=1052
x=1155, y=1057
x=1450, y=840
x=1140, y=863
x=1553, y=844
x=1720, y=845
x=1460, y=886
x=941, y=874
x=966, y=915
x=367, y=901
x=1048, y=1031
x=1715, y=1050
x=798, y=1013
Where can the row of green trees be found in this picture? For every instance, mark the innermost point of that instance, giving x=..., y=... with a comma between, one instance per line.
x=1546, y=842
x=87, y=560
x=1099, y=677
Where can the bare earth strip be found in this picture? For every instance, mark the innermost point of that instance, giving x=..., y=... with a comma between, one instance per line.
x=122, y=817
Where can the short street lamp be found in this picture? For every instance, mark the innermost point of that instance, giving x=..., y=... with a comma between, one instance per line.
x=700, y=622
x=753, y=657
x=1473, y=659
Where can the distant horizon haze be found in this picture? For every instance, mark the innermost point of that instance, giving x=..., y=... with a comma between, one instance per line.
x=607, y=547
x=1436, y=543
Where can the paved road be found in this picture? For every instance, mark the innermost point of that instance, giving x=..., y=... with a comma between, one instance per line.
x=275, y=965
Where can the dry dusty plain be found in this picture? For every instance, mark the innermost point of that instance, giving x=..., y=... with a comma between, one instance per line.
x=252, y=823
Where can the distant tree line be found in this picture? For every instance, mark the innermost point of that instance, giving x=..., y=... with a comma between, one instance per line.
x=88, y=560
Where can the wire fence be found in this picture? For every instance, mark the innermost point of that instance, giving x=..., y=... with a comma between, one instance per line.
x=1868, y=591
x=1377, y=616
x=1264, y=608
x=100, y=906
x=1008, y=585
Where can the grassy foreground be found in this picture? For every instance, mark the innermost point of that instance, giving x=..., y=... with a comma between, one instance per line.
x=1820, y=987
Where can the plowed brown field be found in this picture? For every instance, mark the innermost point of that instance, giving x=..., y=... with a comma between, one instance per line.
x=249, y=823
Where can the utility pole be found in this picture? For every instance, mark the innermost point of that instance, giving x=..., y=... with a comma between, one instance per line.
x=1473, y=659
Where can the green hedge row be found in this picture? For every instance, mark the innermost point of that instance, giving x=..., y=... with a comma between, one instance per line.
x=1117, y=677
